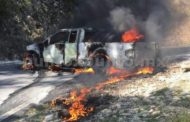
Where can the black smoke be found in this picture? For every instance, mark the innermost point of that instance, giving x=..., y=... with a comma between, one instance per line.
x=152, y=17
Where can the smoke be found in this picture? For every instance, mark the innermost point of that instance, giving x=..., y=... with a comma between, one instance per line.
x=153, y=28
x=152, y=17
x=122, y=19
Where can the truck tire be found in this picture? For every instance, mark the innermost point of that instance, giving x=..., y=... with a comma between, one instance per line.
x=33, y=59
x=100, y=63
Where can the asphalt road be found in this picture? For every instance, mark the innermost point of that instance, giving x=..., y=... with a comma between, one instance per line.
x=19, y=89
x=12, y=79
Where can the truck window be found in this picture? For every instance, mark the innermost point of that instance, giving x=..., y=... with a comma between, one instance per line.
x=60, y=37
x=73, y=37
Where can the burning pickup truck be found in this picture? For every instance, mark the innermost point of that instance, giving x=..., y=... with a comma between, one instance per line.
x=85, y=47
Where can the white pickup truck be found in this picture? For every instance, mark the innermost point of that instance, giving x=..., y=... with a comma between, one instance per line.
x=82, y=47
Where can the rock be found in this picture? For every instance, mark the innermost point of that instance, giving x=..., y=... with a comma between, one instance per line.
x=48, y=118
x=151, y=111
x=118, y=106
x=106, y=111
x=154, y=113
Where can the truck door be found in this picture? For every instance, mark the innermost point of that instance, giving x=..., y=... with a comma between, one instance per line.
x=71, y=47
x=54, y=49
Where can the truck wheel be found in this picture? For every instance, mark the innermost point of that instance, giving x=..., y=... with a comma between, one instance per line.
x=100, y=62
x=36, y=61
x=32, y=61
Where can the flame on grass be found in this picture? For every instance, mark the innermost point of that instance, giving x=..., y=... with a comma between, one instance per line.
x=76, y=100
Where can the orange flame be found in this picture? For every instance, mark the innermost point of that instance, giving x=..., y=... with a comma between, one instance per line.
x=80, y=71
x=77, y=109
x=132, y=35
x=113, y=70
x=123, y=75
x=76, y=101
x=145, y=70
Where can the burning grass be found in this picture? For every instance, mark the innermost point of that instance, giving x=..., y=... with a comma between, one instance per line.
x=139, y=99
x=76, y=106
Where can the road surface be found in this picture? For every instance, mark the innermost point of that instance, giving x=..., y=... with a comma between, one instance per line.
x=19, y=89
x=12, y=79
